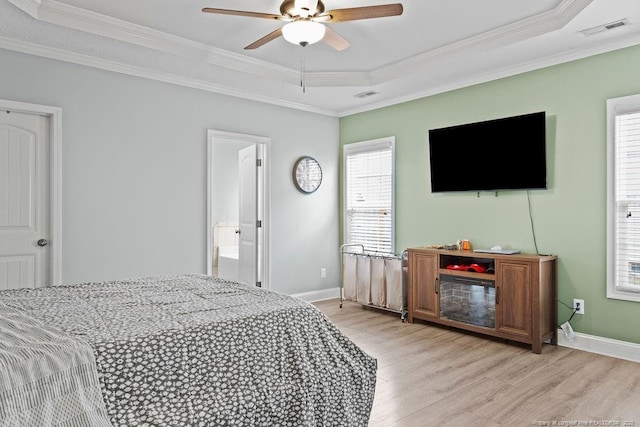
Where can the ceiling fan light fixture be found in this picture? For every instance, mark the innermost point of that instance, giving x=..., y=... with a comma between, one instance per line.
x=303, y=33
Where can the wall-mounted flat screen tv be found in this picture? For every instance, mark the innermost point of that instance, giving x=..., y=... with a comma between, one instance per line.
x=502, y=154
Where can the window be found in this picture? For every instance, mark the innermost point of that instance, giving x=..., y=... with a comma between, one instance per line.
x=369, y=194
x=623, y=198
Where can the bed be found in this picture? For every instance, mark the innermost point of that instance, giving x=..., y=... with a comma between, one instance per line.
x=186, y=350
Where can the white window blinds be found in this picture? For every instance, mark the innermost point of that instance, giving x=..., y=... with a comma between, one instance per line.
x=624, y=200
x=369, y=194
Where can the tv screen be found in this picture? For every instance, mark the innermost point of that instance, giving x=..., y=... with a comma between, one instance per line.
x=501, y=154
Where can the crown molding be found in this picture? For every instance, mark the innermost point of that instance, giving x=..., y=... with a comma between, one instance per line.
x=56, y=12
x=30, y=7
x=517, y=31
x=520, y=30
x=548, y=61
x=118, y=67
x=95, y=62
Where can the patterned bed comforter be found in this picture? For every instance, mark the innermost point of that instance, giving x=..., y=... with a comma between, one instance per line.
x=192, y=350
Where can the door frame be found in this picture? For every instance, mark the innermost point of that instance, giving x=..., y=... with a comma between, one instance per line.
x=54, y=114
x=216, y=136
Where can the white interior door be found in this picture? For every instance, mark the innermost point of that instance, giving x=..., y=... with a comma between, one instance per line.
x=24, y=200
x=248, y=215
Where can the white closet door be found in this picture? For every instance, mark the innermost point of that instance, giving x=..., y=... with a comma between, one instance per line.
x=24, y=201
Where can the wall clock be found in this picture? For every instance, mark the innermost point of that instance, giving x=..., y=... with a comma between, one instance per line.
x=307, y=174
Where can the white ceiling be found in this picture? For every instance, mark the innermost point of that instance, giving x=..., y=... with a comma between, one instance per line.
x=434, y=46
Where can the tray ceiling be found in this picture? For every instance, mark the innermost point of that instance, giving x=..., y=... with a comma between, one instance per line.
x=434, y=46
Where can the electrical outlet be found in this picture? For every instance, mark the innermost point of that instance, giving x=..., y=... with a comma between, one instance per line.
x=579, y=305
x=323, y=273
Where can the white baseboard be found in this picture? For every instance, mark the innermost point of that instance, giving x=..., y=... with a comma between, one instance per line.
x=605, y=346
x=320, y=295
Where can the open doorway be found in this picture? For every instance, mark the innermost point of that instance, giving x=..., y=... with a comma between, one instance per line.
x=237, y=207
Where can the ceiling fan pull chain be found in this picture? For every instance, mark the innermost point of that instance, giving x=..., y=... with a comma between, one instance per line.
x=302, y=82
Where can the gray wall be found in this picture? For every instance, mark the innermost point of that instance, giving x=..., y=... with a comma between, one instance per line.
x=134, y=173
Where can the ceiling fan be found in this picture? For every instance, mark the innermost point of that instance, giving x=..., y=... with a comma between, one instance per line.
x=305, y=21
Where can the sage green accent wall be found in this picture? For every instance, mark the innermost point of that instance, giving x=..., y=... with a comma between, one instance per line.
x=569, y=218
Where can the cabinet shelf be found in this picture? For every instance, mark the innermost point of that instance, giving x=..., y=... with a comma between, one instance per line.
x=471, y=274
x=514, y=298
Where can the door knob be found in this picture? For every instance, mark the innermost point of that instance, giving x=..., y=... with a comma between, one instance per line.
x=237, y=231
x=43, y=242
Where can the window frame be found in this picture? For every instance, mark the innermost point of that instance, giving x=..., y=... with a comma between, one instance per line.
x=363, y=147
x=616, y=106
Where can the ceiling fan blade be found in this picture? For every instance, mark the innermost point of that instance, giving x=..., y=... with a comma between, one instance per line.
x=241, y=13
x=264, y=40
x=365, y=12
x=335, y=40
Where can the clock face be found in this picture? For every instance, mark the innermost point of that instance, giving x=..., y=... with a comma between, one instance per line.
x=307, y=174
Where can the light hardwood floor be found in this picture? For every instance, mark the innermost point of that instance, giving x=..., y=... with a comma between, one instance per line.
x=434, y=376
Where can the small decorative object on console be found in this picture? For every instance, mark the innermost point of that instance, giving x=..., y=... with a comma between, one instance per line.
x=464, y=267
x=435, y=246
x=449, y=247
